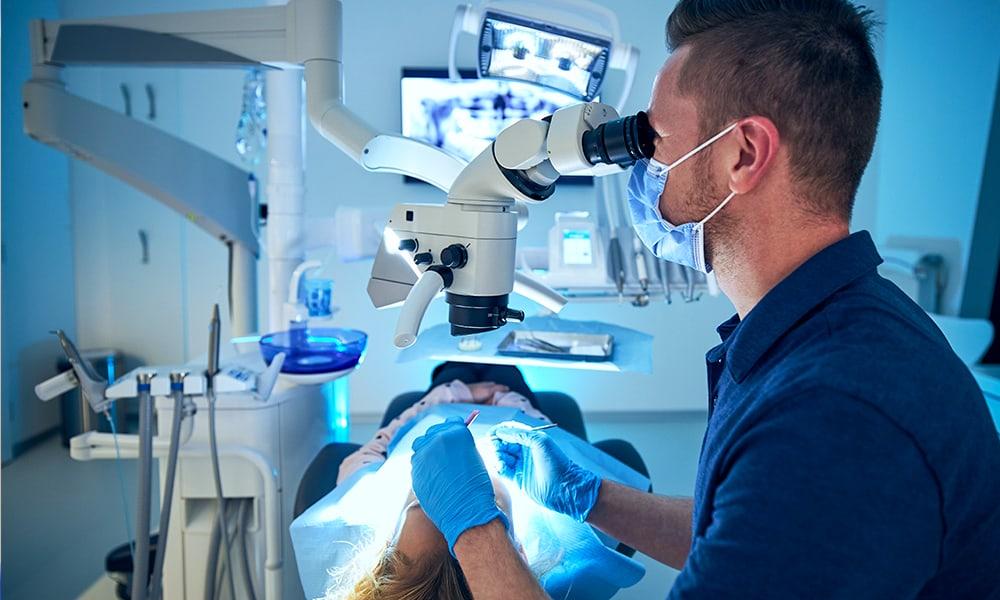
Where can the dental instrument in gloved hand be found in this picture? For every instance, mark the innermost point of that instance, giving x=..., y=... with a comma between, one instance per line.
x=543, y=427
x=451, y=482
x=536, y=464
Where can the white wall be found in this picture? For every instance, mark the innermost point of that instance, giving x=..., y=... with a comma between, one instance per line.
x=37, y=253
x=940, y=69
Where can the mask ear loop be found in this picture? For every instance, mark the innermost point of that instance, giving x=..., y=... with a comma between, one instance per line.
x=701, y=147
x=718, y=208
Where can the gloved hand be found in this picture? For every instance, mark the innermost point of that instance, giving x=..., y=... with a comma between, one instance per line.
x=534, y=461
x=451, y=482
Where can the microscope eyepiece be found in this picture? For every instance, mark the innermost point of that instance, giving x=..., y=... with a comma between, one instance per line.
x=620, y=142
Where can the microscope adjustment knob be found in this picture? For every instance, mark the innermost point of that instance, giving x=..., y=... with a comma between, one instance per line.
x=512, y=314
x=424, y=258
x=408, y=245
x=455, y=256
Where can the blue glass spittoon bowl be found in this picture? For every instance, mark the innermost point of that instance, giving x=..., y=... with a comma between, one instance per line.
x=315, y=351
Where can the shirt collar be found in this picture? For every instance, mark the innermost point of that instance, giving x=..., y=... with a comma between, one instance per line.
x=804, y=289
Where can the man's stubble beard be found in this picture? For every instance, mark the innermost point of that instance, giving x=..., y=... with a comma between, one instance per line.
x=721, y=231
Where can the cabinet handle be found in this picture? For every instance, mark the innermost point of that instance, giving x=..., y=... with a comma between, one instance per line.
x=151, y=96
x=127, y=98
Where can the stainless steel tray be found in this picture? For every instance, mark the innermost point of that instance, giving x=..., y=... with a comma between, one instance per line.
x=588, y=347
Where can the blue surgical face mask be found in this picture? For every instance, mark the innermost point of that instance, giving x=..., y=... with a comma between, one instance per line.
x=683, y=244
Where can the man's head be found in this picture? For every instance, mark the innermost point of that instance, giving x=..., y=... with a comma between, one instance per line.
x=800, y=79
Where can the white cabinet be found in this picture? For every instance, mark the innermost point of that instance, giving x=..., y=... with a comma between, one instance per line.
x=146, y=277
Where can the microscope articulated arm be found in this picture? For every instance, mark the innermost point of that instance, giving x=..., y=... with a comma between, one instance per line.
x=383, y=153
x=527, y=158
x=301, y=34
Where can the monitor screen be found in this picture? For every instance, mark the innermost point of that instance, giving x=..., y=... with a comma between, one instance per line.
x=577, y=248
x=463, y=117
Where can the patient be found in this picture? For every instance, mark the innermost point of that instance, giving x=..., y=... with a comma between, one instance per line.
x=416, y=563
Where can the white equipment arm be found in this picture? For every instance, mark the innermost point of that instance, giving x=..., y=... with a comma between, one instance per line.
x=211, y=192
x=302, y=33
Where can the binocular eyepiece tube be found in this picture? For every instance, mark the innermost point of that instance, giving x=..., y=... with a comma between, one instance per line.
x=620, y=142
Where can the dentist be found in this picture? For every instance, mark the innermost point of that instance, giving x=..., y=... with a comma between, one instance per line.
x=848, y=452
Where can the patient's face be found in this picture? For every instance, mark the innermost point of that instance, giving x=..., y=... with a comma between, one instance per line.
x=420, y=539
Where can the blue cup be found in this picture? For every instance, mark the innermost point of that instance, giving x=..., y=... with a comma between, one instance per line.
x=318, y=293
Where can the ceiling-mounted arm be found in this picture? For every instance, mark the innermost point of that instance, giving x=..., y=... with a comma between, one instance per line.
x=302, y=33
x=212, y=193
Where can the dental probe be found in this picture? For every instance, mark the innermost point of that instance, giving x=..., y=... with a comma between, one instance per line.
x=546, y=426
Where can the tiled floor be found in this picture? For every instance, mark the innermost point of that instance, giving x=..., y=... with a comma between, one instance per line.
x=60, y=517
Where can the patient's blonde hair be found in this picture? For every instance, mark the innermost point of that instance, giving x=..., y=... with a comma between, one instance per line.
x=396, y=577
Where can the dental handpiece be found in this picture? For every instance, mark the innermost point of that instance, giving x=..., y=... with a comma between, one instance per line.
x=611, y=193
x=641, y=273
x=617, y=263
x=664, y=274
x=213, y=343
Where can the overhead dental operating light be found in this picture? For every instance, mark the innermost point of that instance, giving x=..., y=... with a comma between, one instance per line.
x=566, y=45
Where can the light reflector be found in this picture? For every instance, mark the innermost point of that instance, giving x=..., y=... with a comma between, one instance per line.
x=519, y=49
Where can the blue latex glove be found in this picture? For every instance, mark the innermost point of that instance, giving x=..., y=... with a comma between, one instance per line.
x=451, y=482
x=534, y=461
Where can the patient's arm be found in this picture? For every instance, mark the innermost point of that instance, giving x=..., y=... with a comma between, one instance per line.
x=492, y=566
x=658, y=526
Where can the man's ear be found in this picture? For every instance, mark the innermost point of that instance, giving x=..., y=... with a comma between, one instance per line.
x=757, y=141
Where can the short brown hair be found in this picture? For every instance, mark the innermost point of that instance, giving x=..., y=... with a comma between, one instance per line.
x=808, y=65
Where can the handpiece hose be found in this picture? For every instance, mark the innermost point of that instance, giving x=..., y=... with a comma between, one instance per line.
x=177, y=393
x=140, y=568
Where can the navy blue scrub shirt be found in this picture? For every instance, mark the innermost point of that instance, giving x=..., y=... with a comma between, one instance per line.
x=849, y=452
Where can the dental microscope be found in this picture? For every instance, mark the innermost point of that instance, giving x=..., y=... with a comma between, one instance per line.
x=466, y=247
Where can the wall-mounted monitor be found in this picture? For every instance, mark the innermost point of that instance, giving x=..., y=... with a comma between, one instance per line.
x=463, y=117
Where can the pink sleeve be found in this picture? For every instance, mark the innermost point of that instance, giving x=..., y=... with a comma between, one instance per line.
x=370, y=453
x=374, y=451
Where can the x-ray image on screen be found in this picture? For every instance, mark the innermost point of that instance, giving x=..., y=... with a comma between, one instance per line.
x=463, y=117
